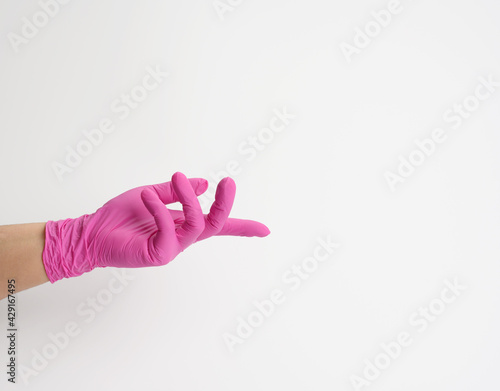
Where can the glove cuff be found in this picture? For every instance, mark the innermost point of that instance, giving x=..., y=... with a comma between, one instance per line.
x=65, y=253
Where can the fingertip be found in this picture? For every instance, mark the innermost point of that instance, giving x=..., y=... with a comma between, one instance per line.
x=247, y=228
x=146, y=194
x=148, y=199
x=229, y=183
x=182, y=186
x=227, y=179
x=226, y=191
x=202, y=186
x=263, y=231
x=177, y=175
x=255, y=228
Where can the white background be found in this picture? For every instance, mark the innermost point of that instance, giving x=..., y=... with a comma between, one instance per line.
x=323, y=175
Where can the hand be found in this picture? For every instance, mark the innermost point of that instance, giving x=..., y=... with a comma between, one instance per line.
x=135, y=229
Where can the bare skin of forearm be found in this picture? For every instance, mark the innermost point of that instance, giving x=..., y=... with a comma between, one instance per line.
x=21, y=248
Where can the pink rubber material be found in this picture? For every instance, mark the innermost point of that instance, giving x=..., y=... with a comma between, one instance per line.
x=135, y=229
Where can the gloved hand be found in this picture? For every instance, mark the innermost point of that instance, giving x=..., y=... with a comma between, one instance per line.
x=135, y=229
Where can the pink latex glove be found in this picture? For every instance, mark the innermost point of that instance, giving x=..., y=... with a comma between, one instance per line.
x=135, y=229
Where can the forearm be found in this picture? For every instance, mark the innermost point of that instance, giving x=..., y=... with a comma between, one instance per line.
x=21, y=248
